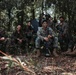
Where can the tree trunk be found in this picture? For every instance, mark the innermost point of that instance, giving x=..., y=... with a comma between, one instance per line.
x=9, y=25
x=33, y=13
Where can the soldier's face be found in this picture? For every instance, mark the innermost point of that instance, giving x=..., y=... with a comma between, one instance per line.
x=44, y=25
x=61, y=19
x=28, y=23
x=18, y=27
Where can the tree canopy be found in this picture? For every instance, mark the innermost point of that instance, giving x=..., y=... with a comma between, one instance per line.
x=13, y=11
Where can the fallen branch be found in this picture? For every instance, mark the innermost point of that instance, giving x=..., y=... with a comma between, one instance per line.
x=25, y=68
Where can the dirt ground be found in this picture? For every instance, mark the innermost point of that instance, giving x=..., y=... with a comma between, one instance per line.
x=62, y=65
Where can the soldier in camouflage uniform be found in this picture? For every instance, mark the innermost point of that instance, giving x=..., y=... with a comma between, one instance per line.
x=18, y=37
x=63, y=35
x=47, y=35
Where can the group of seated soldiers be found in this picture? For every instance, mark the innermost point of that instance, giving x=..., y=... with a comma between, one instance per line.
x=18, y=38
x=47, y=35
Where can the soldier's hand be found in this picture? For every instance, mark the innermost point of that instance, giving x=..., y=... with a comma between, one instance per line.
x=46, y=39
x=20, y=41
x=60, y=23
x=3, y=38
x=49, y=36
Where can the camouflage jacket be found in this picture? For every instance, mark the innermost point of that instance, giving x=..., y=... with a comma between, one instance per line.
x=41, y=33
x=62, y=29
